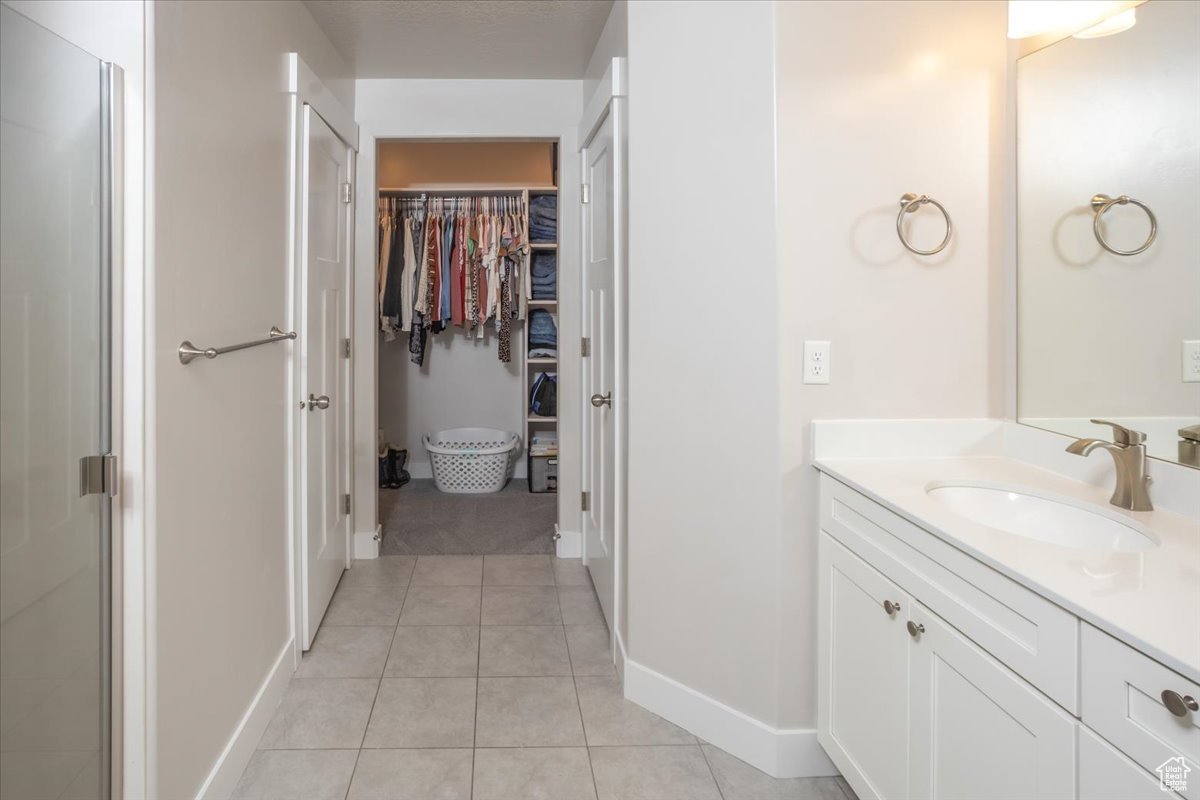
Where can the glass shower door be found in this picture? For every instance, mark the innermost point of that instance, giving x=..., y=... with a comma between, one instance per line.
x=55, y=205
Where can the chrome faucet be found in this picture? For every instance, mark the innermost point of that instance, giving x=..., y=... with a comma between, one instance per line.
x=1128, y=450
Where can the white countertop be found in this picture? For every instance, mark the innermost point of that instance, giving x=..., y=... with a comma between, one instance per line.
x=1149, y=599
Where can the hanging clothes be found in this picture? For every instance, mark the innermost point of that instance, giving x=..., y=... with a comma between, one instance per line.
x=454, y=262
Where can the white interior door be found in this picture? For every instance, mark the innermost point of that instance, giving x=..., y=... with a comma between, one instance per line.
x=325, y=255
x=599, y=262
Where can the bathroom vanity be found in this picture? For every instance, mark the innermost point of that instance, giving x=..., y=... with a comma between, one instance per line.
x=992, y=623
x=1038, y=644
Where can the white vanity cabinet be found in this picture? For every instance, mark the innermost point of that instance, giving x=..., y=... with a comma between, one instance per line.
x=911, y=708
x=976, y=729
x=967, y=685
x=864, y=690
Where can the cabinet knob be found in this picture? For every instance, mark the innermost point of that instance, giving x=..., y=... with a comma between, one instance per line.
x=890, y=607
x=1178, y=704
x=915, y=629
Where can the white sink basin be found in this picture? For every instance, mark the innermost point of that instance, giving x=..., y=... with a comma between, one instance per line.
x=1047, y=518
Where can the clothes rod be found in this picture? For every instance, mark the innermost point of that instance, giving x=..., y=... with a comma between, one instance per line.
x=442, y=191
x=188, y=352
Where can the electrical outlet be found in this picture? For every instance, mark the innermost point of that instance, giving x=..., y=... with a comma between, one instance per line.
x=1191, y=360
x=816, y=362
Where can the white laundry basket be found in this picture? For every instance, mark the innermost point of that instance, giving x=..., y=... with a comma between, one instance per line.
x=472, y=460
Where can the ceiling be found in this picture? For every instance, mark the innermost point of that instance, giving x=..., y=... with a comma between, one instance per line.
x=463, y=38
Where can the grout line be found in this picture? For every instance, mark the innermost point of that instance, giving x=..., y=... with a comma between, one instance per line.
x=378, y=686
x=478, y=660
x=357, y=756
x=575, y=684
x=711, y=771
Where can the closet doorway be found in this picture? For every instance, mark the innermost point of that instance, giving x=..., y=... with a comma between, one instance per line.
x=469, y=319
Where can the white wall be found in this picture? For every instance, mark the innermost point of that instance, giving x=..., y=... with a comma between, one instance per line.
x=461, y=385
x=494, y=109
x=703, y=519
x=800, y=139
x=877, y=99
x=1100, y=334
x=220, y=258
x=613, y=42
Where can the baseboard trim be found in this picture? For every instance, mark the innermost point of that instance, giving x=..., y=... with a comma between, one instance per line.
x=569, y=545
x=230, y=765
x=780, y=752
x=366, y=543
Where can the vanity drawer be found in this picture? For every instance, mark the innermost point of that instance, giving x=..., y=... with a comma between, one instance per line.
x=1122, y=700
x=1032, y=636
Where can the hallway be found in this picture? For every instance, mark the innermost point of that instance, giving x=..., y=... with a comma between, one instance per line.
x=487, y=678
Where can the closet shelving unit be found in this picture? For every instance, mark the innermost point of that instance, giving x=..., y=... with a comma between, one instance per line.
x=530, y=367
x=534, y=366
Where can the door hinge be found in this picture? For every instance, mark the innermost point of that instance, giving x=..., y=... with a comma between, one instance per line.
x=585, y=193
x=585, y=347
x=345, y=504
x=346, y=190
x=583, y=501
x=98, y=475
x=346, y=348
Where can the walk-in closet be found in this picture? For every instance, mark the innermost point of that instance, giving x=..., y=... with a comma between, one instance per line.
x=467, y=271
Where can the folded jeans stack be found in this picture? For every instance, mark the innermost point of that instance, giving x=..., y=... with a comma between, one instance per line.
x=543, y=334
x=544, y=273
x=543, y=218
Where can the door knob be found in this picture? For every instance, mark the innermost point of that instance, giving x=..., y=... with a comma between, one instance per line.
x=321, y=402
x=915, y=629
x=602, y=400
x=890, y=607
x=1178, y=704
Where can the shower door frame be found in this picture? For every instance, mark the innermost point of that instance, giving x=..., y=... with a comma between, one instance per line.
x=112, y=144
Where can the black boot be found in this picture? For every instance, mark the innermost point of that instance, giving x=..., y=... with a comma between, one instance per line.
x=397, y=474
x=385, y=481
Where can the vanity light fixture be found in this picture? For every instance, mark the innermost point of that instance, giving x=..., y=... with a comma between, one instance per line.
x=1114, y=24
x=1034, y=17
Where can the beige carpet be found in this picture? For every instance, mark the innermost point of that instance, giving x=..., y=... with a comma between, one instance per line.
x=417, y=519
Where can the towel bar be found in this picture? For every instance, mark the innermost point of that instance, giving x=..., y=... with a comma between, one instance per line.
x=188, y=352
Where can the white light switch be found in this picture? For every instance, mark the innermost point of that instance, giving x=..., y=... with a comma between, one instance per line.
x=1191, y=360
x=816, y=362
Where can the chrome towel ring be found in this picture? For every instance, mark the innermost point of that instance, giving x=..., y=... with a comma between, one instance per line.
x=1102, y=203
x=909, y=203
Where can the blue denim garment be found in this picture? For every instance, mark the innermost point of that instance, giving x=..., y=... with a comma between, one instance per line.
x=543, y=218
x=542, y=330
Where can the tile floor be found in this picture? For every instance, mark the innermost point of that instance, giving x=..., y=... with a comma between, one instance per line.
x=484, y=677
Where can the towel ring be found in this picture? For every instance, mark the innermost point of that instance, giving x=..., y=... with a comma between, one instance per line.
x=909, y=203
x=1102, y=203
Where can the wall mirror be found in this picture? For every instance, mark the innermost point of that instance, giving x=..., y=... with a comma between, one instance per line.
x=1108, y=232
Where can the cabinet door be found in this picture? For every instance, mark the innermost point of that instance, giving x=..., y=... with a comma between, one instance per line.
x=977, y=729
x=863, y=674
x=1106, y=774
